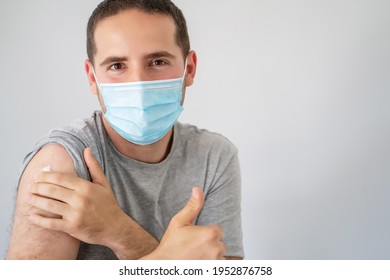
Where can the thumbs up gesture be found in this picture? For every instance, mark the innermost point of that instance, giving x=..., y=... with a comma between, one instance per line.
x=183, y=240
x=89, y=212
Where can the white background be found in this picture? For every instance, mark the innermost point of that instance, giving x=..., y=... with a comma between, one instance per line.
x=302, y=88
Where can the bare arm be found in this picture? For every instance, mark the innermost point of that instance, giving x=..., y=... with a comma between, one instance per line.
x=86, y=211
x=90, y=213
x=41, y=234
x=29, y=241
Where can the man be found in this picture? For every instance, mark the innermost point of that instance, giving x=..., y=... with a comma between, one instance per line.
x=117, y=185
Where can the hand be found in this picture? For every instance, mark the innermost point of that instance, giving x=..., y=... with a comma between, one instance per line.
x=183, y=240
x=87, y=210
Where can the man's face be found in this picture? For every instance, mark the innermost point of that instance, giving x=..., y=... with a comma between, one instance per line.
x=137, y=46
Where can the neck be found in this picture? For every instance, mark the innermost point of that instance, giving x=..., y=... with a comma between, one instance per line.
x=153, y=153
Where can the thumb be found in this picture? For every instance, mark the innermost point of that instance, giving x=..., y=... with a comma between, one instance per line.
x=188, y=214
x=94, y=168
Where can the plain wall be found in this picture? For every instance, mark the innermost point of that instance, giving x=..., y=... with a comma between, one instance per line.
x=300, y=87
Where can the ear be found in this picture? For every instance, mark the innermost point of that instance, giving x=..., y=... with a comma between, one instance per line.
x=191, y=68
x=91, y=77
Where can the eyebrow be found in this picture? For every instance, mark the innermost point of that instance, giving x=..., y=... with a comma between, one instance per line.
x=112, y=59
x=159, y=54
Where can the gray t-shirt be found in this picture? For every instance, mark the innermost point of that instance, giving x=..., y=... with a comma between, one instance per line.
x=153, y=193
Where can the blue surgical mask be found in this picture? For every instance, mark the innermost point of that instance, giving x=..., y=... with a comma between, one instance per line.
x=143, y=112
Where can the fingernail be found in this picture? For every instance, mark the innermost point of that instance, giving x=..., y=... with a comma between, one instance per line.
x=195, y=193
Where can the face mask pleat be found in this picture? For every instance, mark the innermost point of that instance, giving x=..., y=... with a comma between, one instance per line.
x=143, y=112
x=138, y=131
x=141, y=99
x=143, y=117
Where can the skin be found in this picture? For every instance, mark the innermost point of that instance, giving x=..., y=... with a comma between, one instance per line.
x=57, y=209
x=26, y=235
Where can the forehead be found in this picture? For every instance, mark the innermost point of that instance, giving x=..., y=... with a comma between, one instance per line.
x=134, y=31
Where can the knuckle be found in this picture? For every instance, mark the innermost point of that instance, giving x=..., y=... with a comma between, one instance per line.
x=83, y=203
x=215, y=231
x=86, y=189
x=77, y=222
x=191, y=204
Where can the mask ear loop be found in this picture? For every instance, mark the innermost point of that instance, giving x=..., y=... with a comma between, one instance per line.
x=183, y=80
x=185, y=70
x=100, y=92
x=96, y=80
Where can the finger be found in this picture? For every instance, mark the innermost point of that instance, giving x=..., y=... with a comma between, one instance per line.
x=220, y=248
x=212, y=233
x=95, y=170
x=60, y=179
x=49, y=205
x=56, y=224
x=188, y=214
x=52, y=191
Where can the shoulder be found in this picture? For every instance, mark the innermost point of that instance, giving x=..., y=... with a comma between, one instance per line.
x=204, y=140
x=71, y=139
x=81, y=129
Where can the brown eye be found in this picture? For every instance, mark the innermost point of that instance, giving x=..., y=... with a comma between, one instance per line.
x=116, y=66
x=158, y=62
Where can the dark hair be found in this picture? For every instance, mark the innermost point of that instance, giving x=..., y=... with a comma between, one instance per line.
x=109, y=8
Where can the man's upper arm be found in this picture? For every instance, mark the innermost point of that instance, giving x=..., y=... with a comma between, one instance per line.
x=223, y=206
x=29, y=241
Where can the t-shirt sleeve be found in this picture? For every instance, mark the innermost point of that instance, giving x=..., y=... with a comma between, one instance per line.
x=223, y=204
x=73, y=145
